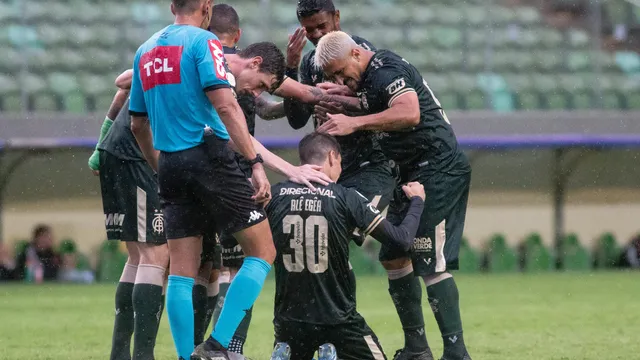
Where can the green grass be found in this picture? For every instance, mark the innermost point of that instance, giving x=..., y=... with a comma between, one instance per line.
x=559, y=316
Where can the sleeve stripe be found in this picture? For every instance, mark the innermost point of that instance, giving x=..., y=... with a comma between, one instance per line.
x=374, y=224
x=396, y=96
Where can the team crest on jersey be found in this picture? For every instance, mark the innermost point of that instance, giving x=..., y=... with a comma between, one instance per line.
x=158, y=222
x=396, y=86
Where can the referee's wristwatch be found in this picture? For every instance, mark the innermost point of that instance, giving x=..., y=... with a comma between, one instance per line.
x=256, y=160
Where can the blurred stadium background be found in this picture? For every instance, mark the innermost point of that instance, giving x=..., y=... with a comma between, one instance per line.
x=543, y=94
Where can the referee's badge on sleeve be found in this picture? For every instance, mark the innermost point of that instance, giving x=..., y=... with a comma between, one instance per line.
x=215, y=47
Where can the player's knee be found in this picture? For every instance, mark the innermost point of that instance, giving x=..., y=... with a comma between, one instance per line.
x=134, y=254
x=436, y=278
x=396, y=264
x=157, y=255
x=214, y=276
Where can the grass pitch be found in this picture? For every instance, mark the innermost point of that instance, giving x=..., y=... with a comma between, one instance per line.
x=555, y=316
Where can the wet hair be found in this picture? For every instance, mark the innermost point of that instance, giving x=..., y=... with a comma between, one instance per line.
x=308, y=8
x=224, y=20
x=315, y=147
x=273, y=61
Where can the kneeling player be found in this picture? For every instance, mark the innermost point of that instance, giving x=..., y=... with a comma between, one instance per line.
x=315, y=297
x=133, y=214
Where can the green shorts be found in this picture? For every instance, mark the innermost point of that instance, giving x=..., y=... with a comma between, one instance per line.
x=437, y=243
x=130, y=200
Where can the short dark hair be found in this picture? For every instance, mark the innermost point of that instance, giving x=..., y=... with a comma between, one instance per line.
x=273, y=61
x=186, y=6
x=315, y=147
x=308, y=8
x=40, y=229
x=224, y=20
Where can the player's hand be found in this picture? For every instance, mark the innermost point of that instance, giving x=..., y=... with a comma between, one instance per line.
x=261, y=184
x=297, y=41
x=306, y=174
x=414, y=189
x=335, y=89
x=96, y=172
x=338, y=125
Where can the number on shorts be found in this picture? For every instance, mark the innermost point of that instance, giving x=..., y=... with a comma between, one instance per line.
x=444, y=115
x=311, y=236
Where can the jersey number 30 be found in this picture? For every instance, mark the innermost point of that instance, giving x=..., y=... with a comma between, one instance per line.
x=310, y=236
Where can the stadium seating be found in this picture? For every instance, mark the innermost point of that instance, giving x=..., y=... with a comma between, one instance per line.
x=63, y=55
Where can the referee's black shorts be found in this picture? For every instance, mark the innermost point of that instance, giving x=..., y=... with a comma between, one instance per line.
x=203, y=188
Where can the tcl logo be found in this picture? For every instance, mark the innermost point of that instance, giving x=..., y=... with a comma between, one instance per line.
x=160, y=66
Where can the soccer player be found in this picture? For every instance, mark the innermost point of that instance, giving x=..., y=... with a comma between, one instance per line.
x=225, y=24
x=180, y=84
x=415, y=132
x=133, y=215
x=366, y=167
x=315, y=296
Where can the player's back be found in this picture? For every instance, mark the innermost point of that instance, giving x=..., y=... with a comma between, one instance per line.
x=311, y=232
x=175, y=68
x=120, y=141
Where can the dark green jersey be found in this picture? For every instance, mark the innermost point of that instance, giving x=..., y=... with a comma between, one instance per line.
x=431, y=144
x=311, y=232
x=120, y=141
x=248, y=105
x=357, y=148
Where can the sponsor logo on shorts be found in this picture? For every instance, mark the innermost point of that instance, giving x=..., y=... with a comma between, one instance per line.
x=422, y=244
x=158, y=222
x=254, y=216
x=114, y=219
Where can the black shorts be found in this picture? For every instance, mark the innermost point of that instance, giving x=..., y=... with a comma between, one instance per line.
x=130, y=200
x=437, y=243
x=211, y=250
x=232, y=254
x=375, y=182
x=355, y=341
x=203, y=188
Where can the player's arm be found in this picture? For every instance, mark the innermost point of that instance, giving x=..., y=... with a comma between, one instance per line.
x=367, y=217
x=139, y=119
x=269, y=110
x=123, y=81
x=116, y=105
x=403, y=112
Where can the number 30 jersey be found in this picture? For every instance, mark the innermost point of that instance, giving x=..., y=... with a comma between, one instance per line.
x=311, y=232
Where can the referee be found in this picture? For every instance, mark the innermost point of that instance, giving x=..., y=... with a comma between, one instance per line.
x=180, y=83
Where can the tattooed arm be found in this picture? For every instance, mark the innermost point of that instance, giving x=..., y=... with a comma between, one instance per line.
x=269, y=110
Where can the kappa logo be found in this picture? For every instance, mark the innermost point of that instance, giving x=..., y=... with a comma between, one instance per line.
x=396, y=86
x=254, y=216
x=158, y=223
x=373, y=209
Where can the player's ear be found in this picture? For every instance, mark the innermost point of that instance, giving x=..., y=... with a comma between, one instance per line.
x=336, y=19
x=256, y=62
x=355, y=52
x=238, y=36
x=173, y=9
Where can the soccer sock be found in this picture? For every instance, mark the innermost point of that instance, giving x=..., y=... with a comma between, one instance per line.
x=123, y=324
x=224, y=280
x=243, y=292
x=147, y=305
x=406, y=293
x=180, y=312
x=240, y=337
x=200, y=309
x=444, y=301
x=212, y=299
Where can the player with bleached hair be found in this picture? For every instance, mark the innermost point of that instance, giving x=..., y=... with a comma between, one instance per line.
x=415, y=132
